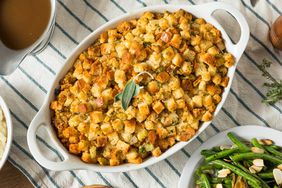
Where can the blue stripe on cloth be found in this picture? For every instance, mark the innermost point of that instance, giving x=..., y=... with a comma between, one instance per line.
x=165, y=1
x=95, y=10
x=32, y=79
x=255, y=13
x=117, y=5
x=24, y=171
x=248, y=108
x=129, y=178
x=73, y=15
x=65, y=33
x=31, y=157
x=215, y=128
x=16, y=91
x=230, y=116
x=141, y=2
x=56, y=50
x=274, y=7
x=172, y=167
x=186, y=153
x=45, y=65
x=155, y=177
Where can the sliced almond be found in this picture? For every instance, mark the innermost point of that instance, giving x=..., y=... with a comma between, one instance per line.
x=257, y=168
x=267, y=142
x=252, y=170
x=258, y=162
x=223, y=173
x=218, y=185
x=279, y=167
x=257, y=150
x=277, y=176
x=224, y=147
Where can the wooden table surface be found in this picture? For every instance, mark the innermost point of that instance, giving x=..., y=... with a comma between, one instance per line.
x=11, y=177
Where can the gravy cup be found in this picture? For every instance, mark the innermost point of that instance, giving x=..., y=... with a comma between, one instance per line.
x=10, y=59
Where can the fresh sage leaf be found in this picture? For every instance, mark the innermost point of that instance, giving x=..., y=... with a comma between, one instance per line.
x=118, y=97
x=127, y=94
x=137, y=90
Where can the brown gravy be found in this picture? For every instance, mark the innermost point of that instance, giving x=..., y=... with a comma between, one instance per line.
x=23, y=21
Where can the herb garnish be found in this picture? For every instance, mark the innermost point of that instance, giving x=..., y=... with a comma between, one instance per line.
x=274, y=93
x=130, y=90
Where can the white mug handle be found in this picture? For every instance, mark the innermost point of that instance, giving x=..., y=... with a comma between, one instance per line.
x=237, y=49
x=38, y=121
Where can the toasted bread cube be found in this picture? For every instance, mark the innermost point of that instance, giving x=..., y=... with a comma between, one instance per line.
x=113, y=138
x=171, y=130
x=207, y=116
x=106, y=128
x=152, y=137
x=224, y=82
x=143, y=108
x=155, y=60
x=229, y=60
x=137, y=160
x=198, y=100
x=149, y=125
x=141, y=116
x=122, y=146
x=102, y=141
x=187, y=68
x=207, y=101
x=156, y=152
x=162, y=132
x=158, y=107
x=177, y=60
x=153, y=87
x=97, y=116
x=176, y=41
x=142, y=134
x=174, y=83
x=162, y=77
x=171, y=104
x=168, y=53
x=217, y=98
x=189, y=55
x=180, y=103
x=129, y=126
x=186, y=134
x=120, y=76
x=178, y=93
x=132, y=154
x=117, y=124
x=216, y=79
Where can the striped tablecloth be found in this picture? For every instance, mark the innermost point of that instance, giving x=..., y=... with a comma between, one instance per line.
x=26, y=89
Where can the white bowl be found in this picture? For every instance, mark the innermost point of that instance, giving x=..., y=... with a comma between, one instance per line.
x=8, y=119
x=247, y=132
x=43, y=117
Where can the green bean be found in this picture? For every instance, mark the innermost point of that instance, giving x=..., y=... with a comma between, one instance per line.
x=221, y=154
x=266, y=175
x=237, y=171
x=207, y=152
x=216, y=180
x=256, y=143
x=243, y=147
x=275, y=147
x=253, y=185
x=273, y=151
x=250, y=155
x=205, y=181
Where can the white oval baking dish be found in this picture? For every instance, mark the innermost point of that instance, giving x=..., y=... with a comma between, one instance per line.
x=9, y=124
x=43, y=117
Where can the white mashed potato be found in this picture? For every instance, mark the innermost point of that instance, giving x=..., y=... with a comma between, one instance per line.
x=3, y=133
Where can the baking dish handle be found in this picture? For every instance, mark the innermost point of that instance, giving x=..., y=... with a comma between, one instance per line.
x=38, y=121
x=238, y=48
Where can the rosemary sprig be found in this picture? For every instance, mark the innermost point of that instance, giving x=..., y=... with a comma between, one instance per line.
x=274, y=93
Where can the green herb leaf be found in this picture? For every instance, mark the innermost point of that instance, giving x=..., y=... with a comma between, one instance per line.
x=127, y=94
x=274, y=93
x=118, y=97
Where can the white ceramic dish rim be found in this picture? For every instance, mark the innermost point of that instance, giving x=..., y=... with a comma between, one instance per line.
x=246, y=132
x=43, y=116
x=8, y=119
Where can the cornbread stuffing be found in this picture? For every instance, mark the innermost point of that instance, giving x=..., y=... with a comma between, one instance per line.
x=189, y=63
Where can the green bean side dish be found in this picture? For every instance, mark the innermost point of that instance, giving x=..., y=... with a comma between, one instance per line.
x=254, y=164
